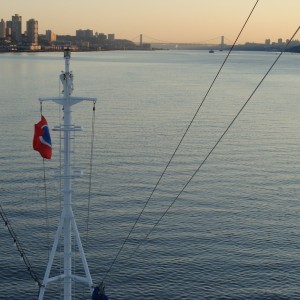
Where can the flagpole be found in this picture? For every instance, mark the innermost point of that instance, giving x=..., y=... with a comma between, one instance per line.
x=67, y=223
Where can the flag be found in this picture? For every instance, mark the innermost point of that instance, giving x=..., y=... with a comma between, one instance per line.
x=41, y=139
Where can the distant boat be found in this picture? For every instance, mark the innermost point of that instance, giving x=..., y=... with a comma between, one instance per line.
x=211, y=51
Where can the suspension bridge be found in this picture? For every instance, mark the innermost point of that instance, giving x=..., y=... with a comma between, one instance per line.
x=218, y=43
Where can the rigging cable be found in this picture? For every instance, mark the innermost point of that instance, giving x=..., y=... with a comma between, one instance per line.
x=46, y=207
x=181, y=140
x=19, y=247
x=60, y=145
x=91, y=169
x=217, y=143
x=45, y=195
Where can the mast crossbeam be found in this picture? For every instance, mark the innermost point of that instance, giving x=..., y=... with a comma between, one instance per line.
x=67, y=224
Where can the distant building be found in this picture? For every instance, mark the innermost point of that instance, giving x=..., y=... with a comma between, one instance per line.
x=101, y=36
x=268, y=42
x=2, y=29
x=32, y=32
x=50, y=36
x=111, y=36
x=84, y=33
x=16, y=29
x=8, y=28
x=146, y=46
x=280, y=42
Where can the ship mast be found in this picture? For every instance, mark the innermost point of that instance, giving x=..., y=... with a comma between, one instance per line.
x=67, y=222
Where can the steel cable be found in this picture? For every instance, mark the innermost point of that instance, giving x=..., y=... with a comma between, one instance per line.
x=181, y=140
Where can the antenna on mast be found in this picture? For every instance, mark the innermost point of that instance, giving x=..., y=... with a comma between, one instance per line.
x=67, y=223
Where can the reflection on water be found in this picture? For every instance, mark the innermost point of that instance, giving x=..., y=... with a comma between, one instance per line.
x=231, y=235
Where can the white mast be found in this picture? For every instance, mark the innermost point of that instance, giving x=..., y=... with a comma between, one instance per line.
x=67, y=221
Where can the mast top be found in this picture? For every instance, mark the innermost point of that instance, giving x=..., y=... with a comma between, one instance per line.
x=67, y=56
x=67, y=53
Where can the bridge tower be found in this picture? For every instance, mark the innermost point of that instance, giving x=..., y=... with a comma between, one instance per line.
x=222, y=43
x=141, y=40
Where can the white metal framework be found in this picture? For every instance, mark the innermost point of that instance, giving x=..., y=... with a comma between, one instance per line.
x=67, y=221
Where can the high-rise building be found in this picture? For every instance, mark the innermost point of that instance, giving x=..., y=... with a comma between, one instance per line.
x=2, y=29
x=32, y=32
x=16, y=29
x=8, y=28
x=84, y=33
x=50, y=36
x=111, y=36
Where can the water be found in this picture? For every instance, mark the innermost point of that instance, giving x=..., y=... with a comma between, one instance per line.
x=232, y=234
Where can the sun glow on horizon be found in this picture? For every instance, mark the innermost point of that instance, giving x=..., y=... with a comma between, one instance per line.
x=176, y=21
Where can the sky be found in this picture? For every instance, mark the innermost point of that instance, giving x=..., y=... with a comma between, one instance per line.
x=178, y=21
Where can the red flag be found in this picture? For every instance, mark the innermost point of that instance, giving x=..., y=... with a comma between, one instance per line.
x=41, y=139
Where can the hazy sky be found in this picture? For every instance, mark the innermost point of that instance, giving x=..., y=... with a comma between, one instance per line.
x=165, y=20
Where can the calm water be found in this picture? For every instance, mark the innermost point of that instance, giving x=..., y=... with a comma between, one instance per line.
x=233, y=233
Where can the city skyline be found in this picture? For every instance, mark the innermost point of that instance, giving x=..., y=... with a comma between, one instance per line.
x=177, y=21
